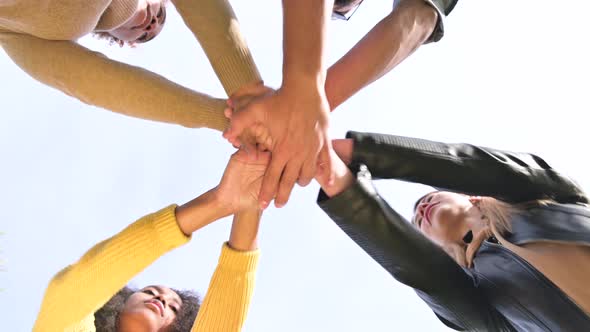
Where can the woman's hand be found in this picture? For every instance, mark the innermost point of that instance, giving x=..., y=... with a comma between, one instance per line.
x=343, y=148
x=297, y=121
x=256, y=137
x=241, y=181
x=343, y=177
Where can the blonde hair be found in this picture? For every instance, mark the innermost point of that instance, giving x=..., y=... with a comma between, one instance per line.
x=497, y=215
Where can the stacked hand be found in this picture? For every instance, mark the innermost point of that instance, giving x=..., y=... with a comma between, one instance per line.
x=293, y=124
x=239, y=187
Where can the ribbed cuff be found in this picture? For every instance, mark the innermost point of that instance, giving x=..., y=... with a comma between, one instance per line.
x=239, y=261
x=208, y=115
x=167, y=229
x=236, y=70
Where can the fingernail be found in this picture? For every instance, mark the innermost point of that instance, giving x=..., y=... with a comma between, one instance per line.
x=279, y=205
x=263, y=205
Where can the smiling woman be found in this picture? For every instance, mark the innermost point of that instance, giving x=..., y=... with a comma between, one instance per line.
x=39, y=41
x=143, y=26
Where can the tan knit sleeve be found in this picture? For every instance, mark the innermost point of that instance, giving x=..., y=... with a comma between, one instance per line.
x=81, y=288
x=97, y=80
x=216, y=27
x=226, y=303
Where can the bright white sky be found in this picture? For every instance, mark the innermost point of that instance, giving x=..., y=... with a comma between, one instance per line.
x=510, y=75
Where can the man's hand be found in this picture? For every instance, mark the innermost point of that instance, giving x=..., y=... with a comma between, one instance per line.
x=297, y=122
x=239, y=187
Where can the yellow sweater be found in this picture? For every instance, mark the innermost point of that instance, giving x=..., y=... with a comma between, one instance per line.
x=39, y=36
x=76, y=292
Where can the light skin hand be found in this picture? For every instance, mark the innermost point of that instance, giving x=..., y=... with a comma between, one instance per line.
x=257, y=137
x=296, y=115
x=295, y=132
x=343, y=148
x=343, y=177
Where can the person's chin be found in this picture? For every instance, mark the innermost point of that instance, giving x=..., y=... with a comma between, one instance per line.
x=141, y=319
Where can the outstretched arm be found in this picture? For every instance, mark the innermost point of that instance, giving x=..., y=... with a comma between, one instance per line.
x=97, y=80
x=356, y=207
x=465, y=168
x=86, y=285
x=226, y=304
x=214, y=24
x=391, y=41
x=296, y=115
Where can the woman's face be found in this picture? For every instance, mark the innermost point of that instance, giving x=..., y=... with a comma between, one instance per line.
x=446, y=217
x=152, y=309
x=145, y=25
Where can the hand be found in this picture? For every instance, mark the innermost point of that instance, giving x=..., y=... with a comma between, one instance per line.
x=297, y=122
x=343, y=148
x=239, y=187
x=343, y=177
x=257, y=137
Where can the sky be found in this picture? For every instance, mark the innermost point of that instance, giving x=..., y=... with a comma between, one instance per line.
x=509, y=75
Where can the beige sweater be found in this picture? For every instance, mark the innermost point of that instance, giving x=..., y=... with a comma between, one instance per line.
x=40, y=35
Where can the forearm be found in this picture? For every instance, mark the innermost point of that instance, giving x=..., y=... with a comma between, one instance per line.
x=96, y=80
x=226, y=304
x=409, y=256
x=304, y=41
x=465, y=168
x=85, y=286
x=214, y=24
x=244, y=231
x=385, y=235
x=200, y=212
x=390, y=42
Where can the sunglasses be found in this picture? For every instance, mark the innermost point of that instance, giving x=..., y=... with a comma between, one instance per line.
x=345, y=16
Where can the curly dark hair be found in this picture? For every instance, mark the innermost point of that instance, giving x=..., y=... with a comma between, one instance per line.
x=106, y=318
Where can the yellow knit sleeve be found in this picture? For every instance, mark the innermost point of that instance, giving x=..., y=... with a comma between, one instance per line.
x=226, y=303
x=97, y=80
x=82, y=288
x=214, y=24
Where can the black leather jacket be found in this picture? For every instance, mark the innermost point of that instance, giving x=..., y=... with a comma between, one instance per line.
x=502, y=292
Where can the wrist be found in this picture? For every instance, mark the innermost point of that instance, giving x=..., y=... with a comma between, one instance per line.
x=200, y=212
x=248, y=89
x=244, y=231
x=312, y=82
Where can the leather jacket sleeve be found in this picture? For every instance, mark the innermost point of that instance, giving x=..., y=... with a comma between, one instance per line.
x=465, y=168
x=410, y=257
